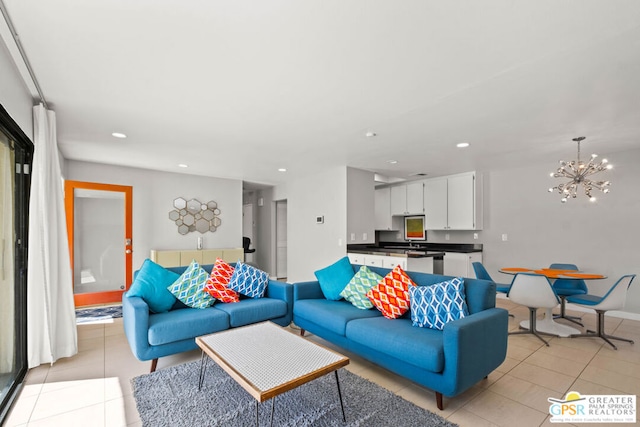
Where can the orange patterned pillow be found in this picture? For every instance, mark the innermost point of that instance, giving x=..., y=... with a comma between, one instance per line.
x=218, y=281
x=391, y=295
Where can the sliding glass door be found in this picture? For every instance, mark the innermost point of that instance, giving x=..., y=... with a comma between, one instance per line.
x=15, y=159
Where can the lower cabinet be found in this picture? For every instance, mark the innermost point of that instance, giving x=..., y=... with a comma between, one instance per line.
x=460, y=265
x=422, y=264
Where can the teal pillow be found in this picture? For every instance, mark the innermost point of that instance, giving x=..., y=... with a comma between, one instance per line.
x=151, y=284
x=189, y=287
x=334, y=278
x=435, y=305
x=356, y=290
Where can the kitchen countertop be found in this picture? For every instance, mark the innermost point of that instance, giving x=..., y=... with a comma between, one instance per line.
x=415, y=250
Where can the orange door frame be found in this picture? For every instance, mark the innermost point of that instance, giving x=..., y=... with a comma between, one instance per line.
x=69, y=203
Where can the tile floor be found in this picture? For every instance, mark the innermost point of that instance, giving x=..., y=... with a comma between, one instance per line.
x=92, y=388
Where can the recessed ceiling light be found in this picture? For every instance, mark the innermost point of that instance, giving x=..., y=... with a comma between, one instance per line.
x=370, y=134
x=392, y=162
x=118, y=135
x=182, y=165
x=462, y=145
x=282, y=169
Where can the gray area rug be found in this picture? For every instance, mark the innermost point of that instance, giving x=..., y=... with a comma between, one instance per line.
x=170, y=397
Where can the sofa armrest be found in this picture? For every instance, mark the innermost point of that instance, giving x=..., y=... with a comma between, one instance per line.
x=474, y=346
x=282, y=291
x=307, y=290
x=135, y=317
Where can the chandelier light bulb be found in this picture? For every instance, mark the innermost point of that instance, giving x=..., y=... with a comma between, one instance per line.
x=592, y=199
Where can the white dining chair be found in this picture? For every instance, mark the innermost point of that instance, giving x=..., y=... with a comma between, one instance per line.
x=533, y=291
x=613, y=300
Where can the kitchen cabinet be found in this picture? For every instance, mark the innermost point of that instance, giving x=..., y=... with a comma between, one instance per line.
x=407, y=199
x=382, y=209
x=420, y=264
x=453, y=202
x=460, y=264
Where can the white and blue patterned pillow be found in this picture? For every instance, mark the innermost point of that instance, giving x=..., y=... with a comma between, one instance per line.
x=248, y=280
x=433, y=306
x=189, y=288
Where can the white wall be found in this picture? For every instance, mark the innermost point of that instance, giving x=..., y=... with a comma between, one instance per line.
x=313, y=246
x=14, y=96
x=153, y=195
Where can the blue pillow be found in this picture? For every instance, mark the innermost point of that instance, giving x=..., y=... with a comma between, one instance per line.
x=435, y=305
x=248, y=280
x=334, y=279
x=151, y=284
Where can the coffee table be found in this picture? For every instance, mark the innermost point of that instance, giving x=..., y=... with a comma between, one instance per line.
x=267, y=360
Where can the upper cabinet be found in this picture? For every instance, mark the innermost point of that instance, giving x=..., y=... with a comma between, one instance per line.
x=453, y=202
x=383, y=220
x=407, y=199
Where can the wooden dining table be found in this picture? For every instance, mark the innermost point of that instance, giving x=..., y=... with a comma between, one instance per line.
x=548, y=325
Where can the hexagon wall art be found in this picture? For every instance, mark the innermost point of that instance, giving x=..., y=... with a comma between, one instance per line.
x=193, y=215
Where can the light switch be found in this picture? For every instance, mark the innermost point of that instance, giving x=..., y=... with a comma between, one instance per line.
x=446, y=236
x=505, y=237
x=364, y=236
x=353, y=237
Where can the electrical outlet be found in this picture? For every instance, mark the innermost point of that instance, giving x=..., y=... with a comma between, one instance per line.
x=446, y=236
x=505, y=237
x=364, y=236
x=475, y=236
x=339, y=242
x=353, y=237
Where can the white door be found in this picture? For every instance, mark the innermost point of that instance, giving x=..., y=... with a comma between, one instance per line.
x=281, y=239
x=247, y=228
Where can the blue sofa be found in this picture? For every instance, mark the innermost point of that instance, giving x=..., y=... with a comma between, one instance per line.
x=154, y=335
x=448, y=361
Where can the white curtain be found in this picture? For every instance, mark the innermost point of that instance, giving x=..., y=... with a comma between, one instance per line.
x=51, y=330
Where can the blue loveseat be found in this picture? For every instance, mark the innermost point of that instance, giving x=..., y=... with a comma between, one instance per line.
x=154, y=335
x=448, y=361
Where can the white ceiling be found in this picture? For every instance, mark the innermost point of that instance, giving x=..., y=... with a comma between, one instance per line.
x=238, y=89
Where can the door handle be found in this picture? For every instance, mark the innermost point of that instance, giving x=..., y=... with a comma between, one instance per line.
x=128, y=251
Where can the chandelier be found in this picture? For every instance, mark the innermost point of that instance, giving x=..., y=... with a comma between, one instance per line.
x=578, y=173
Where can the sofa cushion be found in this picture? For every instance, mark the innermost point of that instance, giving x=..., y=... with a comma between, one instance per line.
x=218, y=282
x=248, y=280
x=151, y=284
x=253, y=310
x=187, y=323
x=421, y=347
x=334, y=278
x=331, y=315
x=356, y=290
x=189, y=288
x=433, y=306
x=391, y=295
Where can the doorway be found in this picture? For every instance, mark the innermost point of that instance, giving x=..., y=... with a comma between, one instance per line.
x=99, y=224
x=247, y=230
x=281, y=239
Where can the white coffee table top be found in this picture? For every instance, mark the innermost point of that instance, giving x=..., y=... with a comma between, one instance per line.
x=268, y=360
